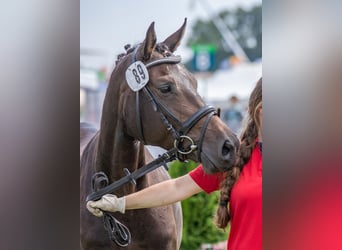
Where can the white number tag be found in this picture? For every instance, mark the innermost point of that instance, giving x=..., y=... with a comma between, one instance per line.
x=137, y=76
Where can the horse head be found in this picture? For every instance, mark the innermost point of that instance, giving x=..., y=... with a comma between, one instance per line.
x=167, y=110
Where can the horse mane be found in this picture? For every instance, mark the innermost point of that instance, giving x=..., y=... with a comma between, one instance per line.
x=161, y=48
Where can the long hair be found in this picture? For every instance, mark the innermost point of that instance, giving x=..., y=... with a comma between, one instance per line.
x=247, y=137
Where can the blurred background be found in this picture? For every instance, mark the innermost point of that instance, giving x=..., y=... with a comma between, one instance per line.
x=222, y=47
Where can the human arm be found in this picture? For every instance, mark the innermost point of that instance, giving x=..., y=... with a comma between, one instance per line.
x=161, y=194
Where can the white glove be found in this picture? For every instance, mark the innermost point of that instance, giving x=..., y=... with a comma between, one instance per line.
x=108, y=202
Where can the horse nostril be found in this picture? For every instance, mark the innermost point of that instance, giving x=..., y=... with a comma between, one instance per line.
x=227, y=147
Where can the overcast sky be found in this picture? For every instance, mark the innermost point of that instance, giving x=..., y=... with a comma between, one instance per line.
x=108, y=25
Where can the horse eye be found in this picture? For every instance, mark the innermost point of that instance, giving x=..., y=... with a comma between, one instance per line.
x=165, y=89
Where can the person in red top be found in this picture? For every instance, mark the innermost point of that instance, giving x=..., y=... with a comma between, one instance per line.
x=240, y=202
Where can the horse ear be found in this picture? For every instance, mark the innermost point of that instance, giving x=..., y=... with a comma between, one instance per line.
x=173, y=40
x=149, y=43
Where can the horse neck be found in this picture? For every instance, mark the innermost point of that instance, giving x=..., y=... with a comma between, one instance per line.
x=115, y=149
x=113, y=158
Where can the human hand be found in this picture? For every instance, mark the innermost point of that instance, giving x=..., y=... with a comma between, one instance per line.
x=108, y=202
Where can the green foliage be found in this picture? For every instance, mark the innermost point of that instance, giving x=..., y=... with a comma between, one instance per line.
x=177, y=168
x=246, y=26
x=198, y=213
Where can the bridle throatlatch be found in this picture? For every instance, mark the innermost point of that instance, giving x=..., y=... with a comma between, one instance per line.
x=137, y=78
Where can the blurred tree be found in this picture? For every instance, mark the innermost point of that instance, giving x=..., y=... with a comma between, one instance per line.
x=198, y=212
x=246, y=25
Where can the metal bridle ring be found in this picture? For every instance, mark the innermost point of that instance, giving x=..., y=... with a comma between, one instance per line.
x=192, y=146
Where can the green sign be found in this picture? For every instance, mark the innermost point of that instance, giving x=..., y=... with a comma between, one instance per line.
x=204, y=57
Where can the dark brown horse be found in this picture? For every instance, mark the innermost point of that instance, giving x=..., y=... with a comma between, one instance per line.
x=165, y=112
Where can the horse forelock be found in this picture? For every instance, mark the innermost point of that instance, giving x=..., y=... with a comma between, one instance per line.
x=163, y=49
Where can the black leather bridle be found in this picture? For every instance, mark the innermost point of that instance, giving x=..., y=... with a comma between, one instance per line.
x=118, y=232
x=180, y=136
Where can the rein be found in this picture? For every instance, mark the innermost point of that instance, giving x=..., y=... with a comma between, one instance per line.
x=118, y=232
x=130, y=177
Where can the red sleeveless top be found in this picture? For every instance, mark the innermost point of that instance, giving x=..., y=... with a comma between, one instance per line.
x=245, y=204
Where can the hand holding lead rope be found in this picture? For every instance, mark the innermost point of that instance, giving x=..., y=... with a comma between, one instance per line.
x=109, y=203
x=101, y=201
x=117, y=232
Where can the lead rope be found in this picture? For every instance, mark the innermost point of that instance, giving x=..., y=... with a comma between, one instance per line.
x=117, y=232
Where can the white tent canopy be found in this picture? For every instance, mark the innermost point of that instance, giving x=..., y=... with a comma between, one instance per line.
x=239, y=80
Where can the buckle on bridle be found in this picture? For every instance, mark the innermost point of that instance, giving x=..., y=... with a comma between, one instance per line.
x=179, y=142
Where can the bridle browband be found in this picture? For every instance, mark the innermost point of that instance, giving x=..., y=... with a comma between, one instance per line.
x=180, y=136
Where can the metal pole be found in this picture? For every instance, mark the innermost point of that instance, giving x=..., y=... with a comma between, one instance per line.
x=227, y=35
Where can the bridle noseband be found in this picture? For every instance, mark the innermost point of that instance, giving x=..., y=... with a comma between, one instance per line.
x=180, y=136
